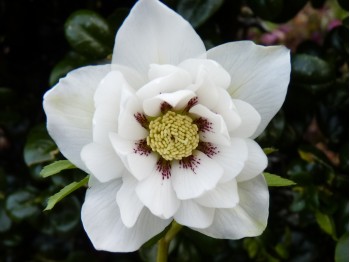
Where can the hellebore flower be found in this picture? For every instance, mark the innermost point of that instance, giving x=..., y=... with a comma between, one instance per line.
x=166, y=131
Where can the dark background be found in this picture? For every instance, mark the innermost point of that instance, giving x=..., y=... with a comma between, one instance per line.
x=308, y=222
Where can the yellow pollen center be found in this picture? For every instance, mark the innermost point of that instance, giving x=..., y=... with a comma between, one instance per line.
x=173, y=136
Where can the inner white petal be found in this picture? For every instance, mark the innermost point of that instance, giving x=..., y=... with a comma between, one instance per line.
x=216, y=132
x=177, y=100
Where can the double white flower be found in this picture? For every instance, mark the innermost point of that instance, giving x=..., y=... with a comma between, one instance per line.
x=166, y=131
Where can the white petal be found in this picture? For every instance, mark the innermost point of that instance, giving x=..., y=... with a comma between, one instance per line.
x=248, y=218
x=128, y=126
x=250, y=120
x=227, y=110
x=154, y=34
x=69, y=107
x=102, y=161
x=107, y=104
x=215, y=72
x=260, y=75
x=191, y=214
x=224, y=195
x=192, y=180
x=232, y=158
x=176, y=79
x=205, y=89
x=129, y=204
x=217, y=131
x=102, y=221
x=256, y=162
x=158, y=195
x=134, y=78
x=178, y=100
x=140, y=164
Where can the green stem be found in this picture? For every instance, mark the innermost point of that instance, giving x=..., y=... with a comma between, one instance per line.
x=163, y=243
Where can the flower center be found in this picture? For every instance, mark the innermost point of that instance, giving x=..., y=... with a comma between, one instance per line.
x=173, y=136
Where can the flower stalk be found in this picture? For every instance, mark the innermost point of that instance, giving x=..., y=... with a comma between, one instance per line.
x=164, y=242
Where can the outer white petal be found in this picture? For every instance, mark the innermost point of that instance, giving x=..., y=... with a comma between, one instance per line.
x=102, y=161
x=260, y=75
x=191, y=182
x=248, y=218
x=178, y=100
x=250, y=120
x=103, y=224
x=154, y=34
x=256, y=162
x=69, y=107
x=191, y=214
x=224, y=195
x=232, y=158
x=129, y=204
x=217, y=131
x=157, y=193
x=140, y=164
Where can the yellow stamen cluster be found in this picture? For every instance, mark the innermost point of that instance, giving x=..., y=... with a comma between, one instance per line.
x=173, y=136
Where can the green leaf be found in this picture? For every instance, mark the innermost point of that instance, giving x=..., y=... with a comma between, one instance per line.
x=89, y=34
x=326, y=223
x=342, y=249
x=56, y=167
x=274, y=180
x=312, y=73
x=53, y=200
x=22, y=204
x=39, y=147
x=269, y=150
x=198, y=11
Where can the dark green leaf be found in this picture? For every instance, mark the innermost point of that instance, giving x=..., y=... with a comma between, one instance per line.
x=198, y=11
x=39, y=147
x=22, y=204
x=53, y=200
x=5, y=221
x=311, y=72
x=342, y=249
x=269, y=150
x=266, y=9
x=89, y=34
x=274, y=180
x=56, y=167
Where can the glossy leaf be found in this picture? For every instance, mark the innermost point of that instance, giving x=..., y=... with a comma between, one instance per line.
x=39, y=147
x=274, y=180
x=22, y=204
x=342, y=249
x=89, y=34
x=198, y=11
x=53, y=200
x=311, y=71
x=326, y=223
x=56, y=167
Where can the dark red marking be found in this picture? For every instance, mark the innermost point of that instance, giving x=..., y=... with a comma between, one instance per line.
x=164, y=168
x=142, y=148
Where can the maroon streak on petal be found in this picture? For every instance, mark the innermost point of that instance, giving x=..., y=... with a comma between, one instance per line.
x=142, y=119
x=142, y=148
x=208, y=148
x=203, y=124
x=165, y=107
x=193, y=101
x=164, y=167
x=190, y=162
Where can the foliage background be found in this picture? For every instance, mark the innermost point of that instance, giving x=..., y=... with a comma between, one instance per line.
x=41, y=40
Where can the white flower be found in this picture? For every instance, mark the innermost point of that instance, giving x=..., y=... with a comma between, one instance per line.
x=166, y=131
